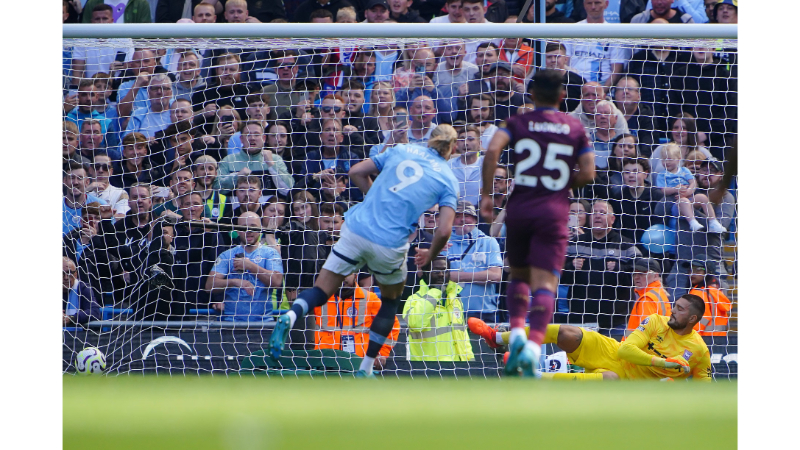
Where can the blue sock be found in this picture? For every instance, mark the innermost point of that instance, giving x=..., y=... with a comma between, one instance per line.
x=308, y=300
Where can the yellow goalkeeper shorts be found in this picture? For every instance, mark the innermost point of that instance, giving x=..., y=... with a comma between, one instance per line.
x=597, y=353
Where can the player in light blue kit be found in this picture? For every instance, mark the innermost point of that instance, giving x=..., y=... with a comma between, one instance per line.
x=412, y=178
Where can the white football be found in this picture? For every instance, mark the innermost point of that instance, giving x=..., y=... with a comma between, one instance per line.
x=90, y=361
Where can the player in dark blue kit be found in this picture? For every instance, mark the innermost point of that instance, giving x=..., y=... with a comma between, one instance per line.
x=547, y=146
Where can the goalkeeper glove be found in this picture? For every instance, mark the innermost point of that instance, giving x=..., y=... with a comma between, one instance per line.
x=672, y=363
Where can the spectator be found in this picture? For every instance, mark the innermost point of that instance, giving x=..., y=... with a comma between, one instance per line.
x=694, y=160
x=217, y=206
x=597, y=271
x=134, y=11
x=474, y=11
x=552, y=13
x=135, y=166
x=226, y=88
x=195, y=252
x=100, y=172
x=69, y=144
x=130, y=95
x=79, y=305
x=398, y=134
x=254, y=157
x=621, y=12
x=467, y=167
x=329, y=160
x=87, y=98
x=400, y=11
x=481, y=114
x=180, y=184
x=331, y=218
x=343, y=322
x=517, y=53
x=285, y=92
x=354, y=95
x=651, y=298
x=622, y=146
x=299, y=241
x=662, y=9
x=592, y=93
x=690, y=244
x=578, y=210
x=305, y=9
x=422, y=113
x=596, y=60
x=174, y=150
x=377, y=11
x=406, y=63
x=656, y=68
x=334, y=189
x=556, y=58
x=279, y=142
x=501, y=187
x=676, y=182
x=453, y=15
x=605, y=119
x=224, y=137
x=322, y=16
x=156, y=116
x=87, y=61
x=265, y=11
x=236, y=11
x=247, y=196
x=718, y=306
x=710, y=7
x=683, y=132
x=694, y=8
x=246, y=274
x=331, y=107
x=727, y=11
x=85, y=246
x=206, y=13
x=91, y=139
x=451, y=74
x=75, y=196
x=638, y=116
x=687, y=204
x=187, y=78
x=167, y=11
x=704, y=88
x=435, y=317
x=637, y=200
x=346, y=15
x=273, y=219
x=476, y=264
x=420, y=82
x=380, y=115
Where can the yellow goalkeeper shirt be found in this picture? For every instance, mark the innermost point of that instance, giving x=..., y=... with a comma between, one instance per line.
x=655, y=338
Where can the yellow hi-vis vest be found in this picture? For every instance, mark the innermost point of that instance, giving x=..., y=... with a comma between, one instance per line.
x=437, y=330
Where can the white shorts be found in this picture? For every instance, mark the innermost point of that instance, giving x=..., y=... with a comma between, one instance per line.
x=351, y=252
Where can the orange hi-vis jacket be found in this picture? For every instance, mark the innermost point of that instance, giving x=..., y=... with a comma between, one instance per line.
x=350, y=317
x=718, y=311
x=651, y=300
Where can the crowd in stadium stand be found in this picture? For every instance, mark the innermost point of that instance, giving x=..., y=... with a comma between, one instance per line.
x=257, y=137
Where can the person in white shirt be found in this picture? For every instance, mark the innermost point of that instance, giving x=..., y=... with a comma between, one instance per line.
x=597, y=60
x=474, y=12
x=453, y=13
x=99, y=172
x=467, y=167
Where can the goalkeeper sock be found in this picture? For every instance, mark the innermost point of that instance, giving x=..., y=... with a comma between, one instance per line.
x=541, y=314
x=306, y=301
x=573, y=376
x=381, y=327
x=518, y=296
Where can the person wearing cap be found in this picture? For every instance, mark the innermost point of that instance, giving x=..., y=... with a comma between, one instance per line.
x=718, y=306
x=475, y=263
x=377, y=11
x=651, y=298
x=727, y=11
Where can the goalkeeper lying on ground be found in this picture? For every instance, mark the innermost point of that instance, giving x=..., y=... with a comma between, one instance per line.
x=660, y=347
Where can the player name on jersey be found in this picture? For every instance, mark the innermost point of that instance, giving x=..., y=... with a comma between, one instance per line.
x=548, y=127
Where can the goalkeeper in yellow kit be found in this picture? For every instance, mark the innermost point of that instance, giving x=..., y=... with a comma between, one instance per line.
x=660, y=347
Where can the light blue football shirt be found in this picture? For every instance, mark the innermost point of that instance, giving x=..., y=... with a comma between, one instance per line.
x=412, y=179
x=239, y=305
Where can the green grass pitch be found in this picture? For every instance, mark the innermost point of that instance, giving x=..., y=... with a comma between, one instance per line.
x=221, y=413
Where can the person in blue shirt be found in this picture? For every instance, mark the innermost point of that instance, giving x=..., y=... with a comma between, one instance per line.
x=246, y=274
x=130, y=94
x=87, y=99
x=75, y=196
x=156, y=116
x=376, y=233
x=476, y=264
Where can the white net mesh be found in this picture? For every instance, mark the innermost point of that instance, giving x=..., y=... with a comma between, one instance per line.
x=167, y=142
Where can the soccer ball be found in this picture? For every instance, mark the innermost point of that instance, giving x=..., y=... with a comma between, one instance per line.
x=90, y=361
